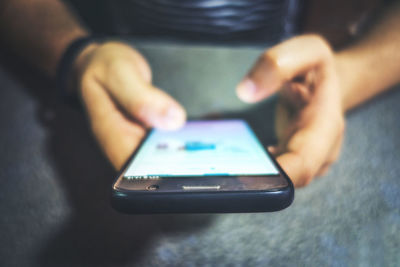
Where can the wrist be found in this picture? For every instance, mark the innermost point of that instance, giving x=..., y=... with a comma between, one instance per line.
x=79, y=65
x=66, y=78
x=353, y=73
x=365, y=72
x=342, y=65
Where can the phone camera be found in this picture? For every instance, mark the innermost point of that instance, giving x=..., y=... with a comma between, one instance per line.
x=153, y=187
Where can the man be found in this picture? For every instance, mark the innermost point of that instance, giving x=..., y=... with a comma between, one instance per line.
x=316, y=84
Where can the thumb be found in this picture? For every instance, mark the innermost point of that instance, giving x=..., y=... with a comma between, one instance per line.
x=141, y=100
x=155, y=108
x=283, y=63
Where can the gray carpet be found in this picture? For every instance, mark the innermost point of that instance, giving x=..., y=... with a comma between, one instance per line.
x=54, y=183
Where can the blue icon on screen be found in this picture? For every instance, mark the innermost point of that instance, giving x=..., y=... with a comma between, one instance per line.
x=195, y=146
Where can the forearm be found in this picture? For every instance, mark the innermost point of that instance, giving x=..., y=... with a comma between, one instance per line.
x=38, y=30
x=372, y=65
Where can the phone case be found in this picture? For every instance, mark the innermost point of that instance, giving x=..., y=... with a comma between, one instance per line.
x=147, y=201
x=202, y=202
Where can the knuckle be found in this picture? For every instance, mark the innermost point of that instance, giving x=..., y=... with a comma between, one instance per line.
x=322, y=44
x=116, y=65
x=318, y=39
x=270, y=58
x=115, y=73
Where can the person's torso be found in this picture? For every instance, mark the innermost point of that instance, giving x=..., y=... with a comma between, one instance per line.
x=228, y=21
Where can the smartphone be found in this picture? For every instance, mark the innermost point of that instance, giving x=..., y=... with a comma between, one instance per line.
x=207, y=166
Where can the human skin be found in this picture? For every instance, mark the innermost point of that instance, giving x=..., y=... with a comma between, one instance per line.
x=113, y=79
x=316, y=85
x=310, y=119
x=114, y=82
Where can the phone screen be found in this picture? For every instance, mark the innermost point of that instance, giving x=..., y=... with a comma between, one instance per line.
x=201, y=148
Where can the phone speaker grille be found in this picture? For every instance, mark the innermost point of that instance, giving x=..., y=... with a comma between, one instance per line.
x=201, y=187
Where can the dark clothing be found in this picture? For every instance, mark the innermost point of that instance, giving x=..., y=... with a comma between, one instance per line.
x=231, y=21
x=199, y=20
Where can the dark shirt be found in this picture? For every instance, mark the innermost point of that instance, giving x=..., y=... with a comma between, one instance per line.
x=199, y=20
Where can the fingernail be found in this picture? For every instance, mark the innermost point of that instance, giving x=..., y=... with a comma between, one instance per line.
x=246, y=90
x=172, y=119
x=272, y=149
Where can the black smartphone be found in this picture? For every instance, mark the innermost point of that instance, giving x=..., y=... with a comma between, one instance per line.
x=207, y=166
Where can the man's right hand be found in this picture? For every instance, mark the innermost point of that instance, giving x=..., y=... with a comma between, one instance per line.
x=114, y=82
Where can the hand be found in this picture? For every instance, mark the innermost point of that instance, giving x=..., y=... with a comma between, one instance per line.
x=114, y=82
x=309, y=118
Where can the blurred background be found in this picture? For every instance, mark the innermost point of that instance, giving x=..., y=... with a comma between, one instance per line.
x=55, y=182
